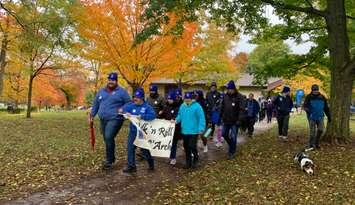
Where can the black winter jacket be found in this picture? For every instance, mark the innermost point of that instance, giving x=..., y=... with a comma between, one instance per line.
x=231, y=108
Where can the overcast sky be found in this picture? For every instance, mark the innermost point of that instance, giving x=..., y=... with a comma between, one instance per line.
x=244, y=46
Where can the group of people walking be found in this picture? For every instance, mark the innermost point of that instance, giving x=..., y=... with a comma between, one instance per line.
x=196, y=117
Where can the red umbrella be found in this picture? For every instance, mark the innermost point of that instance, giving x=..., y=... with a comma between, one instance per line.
x=92, y=135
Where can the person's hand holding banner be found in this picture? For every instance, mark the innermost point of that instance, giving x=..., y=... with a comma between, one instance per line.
x=156, y=135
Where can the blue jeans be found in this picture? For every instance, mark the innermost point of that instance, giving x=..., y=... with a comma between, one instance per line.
x=131, y=152
x=230, y=133
x=109, y=130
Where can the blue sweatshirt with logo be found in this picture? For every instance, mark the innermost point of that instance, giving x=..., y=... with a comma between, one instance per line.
x=106, y=104
x=145, y=111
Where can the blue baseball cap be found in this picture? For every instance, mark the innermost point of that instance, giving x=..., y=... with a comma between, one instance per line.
x=286, y=89
x=153, y=88
x=113, y=76
x=178, y=92
x=139, y=93
x=188, y=95
x=171, y=95
x=231, y=85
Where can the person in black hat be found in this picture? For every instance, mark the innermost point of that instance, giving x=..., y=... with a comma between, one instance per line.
x=232, y=105
x=213, y=99
x=283, y=105
x=155, y=100
x=315, y=106
x=106, y=103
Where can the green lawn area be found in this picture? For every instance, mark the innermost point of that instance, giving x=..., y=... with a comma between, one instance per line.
x=53, y=148
x=49, y=149
x=264, y=173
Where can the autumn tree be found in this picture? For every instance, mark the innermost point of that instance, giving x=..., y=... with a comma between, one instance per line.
x=109, y=29
x=241, y=60
x=46, y=30
x=329, y=25
x=212, y=62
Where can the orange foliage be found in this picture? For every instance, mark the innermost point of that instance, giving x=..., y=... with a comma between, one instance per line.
x=110, y=27
x=240, y=61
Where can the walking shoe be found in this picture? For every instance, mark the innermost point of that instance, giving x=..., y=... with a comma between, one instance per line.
x=205, y=149
x=284, y=138
x=187, y=167
x=129, y=169
x=195, y=164
x=219, y=144
x=281, y=137
x=151, y=168
x=173, y=162
x=107, y=166
x=231, y=156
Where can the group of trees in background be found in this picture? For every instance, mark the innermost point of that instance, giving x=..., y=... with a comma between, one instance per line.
x=52, y=48
x=59, y=52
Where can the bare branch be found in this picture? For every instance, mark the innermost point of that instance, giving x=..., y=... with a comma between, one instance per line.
x=309, y=10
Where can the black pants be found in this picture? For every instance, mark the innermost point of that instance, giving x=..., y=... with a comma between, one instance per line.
x=190, y=147
x=269, y=116
x=251, y=123
x=282, y=122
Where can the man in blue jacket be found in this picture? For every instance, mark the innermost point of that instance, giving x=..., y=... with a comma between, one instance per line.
x=193, y=124
x=144, y=111
x=106, y=103
x=315, y=106
x=253, y=109
x=283, y=105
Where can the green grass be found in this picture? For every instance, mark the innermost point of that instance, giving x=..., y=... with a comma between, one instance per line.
x=49, y=149
x=53, y=148
x=264, y=173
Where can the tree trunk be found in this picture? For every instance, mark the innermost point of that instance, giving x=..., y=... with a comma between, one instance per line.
x=3, y=61
x=341, y=74
x=29, y=97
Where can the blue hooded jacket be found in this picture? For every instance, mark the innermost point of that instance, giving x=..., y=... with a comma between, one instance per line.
x=253, y=108
x=192, y=119
x=145, y=111
x=106, y=104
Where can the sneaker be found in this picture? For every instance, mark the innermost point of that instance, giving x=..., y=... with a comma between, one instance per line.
x=284, y=138
x=281, y=137
x=129, y=169
x=205, y=149
x=173, y=162
x=219, y=144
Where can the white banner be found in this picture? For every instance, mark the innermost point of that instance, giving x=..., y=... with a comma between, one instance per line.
x=156, y=135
